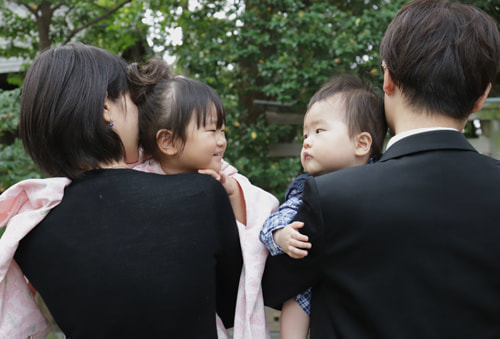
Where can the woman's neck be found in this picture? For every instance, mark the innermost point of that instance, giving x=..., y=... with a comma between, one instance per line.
x=113, y=165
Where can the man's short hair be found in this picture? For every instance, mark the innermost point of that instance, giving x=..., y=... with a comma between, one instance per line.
x=442, y=55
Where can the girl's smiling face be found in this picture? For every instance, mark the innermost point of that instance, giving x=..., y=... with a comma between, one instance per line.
x=204, y=147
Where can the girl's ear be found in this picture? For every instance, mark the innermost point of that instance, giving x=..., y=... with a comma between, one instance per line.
x=165, y=142
x=363, y=144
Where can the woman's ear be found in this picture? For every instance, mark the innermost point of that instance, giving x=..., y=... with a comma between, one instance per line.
x=165, y=142
x=106, y=114
x=363, y=144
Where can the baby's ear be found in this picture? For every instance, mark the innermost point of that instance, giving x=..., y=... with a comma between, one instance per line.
x=165, y=142
x=363, y=144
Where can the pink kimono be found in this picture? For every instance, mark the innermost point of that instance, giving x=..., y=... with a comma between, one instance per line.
x=25, y=204
x=22, y=207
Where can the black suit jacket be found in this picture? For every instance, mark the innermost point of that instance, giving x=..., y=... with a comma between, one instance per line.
x=408, y=247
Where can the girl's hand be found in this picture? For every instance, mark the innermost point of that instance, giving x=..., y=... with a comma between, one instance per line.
x=229, y=183
x=291, y=241
x=233, y=191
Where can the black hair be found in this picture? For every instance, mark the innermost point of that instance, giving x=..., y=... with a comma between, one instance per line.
x=442, y=55
x=165, y=101
x=62, y=104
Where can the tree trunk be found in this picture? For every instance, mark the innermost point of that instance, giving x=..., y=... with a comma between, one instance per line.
x=246, y=96
x=43, y=17
x=250, y=75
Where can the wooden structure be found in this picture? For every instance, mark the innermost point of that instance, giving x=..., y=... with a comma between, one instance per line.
x=278, y=113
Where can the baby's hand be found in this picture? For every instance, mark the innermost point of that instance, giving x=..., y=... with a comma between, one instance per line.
x=290, y=240
x=230, y=184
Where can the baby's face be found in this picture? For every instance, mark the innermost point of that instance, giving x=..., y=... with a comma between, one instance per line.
x=327, y=144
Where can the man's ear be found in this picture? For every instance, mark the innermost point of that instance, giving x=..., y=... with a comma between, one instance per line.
x=389, y=85
x=165, y=142
x=480, y=102
x=363, y=144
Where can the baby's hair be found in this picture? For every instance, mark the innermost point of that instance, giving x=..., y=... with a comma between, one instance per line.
x=169, y=102
x=363, y=107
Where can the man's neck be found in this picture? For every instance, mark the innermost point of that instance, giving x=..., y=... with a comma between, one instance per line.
x=402, y=117
x=407, y=133
x=407, y=120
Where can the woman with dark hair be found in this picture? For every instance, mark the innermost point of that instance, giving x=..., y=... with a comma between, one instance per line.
x=123, y=254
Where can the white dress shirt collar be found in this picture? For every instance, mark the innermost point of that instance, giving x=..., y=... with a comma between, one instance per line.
x=405, y=134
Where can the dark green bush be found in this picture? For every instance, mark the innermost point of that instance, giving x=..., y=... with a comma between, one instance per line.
x=15, y=163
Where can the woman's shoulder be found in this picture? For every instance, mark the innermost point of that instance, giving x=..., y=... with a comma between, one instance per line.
x=139, y=188
x=187, y=182
x=133, y=178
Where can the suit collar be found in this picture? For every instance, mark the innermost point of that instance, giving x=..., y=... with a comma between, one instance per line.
x=428, y=141
x=405, y=134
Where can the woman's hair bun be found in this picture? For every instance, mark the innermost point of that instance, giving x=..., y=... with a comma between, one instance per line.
x=143, y=78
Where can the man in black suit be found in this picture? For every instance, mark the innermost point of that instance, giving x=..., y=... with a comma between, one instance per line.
x=409, y=247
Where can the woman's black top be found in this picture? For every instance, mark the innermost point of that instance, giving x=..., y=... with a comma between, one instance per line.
x=128, y=254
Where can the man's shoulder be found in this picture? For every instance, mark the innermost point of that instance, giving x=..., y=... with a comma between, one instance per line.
x=296, y=187
x=351, y=172
x=350, y=182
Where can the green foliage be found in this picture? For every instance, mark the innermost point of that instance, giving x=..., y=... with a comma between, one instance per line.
x=248, y=151
x=277, y=51
x=15, y=164
x=9, y=111
x=282, y=50
x=94, y=22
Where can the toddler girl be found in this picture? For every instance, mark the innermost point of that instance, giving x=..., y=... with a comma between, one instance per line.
x=181, y=122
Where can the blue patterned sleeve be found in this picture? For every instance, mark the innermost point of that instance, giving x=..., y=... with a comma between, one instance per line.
x=283, y=216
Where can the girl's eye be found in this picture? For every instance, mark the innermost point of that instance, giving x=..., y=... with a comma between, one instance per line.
x=319, y=130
